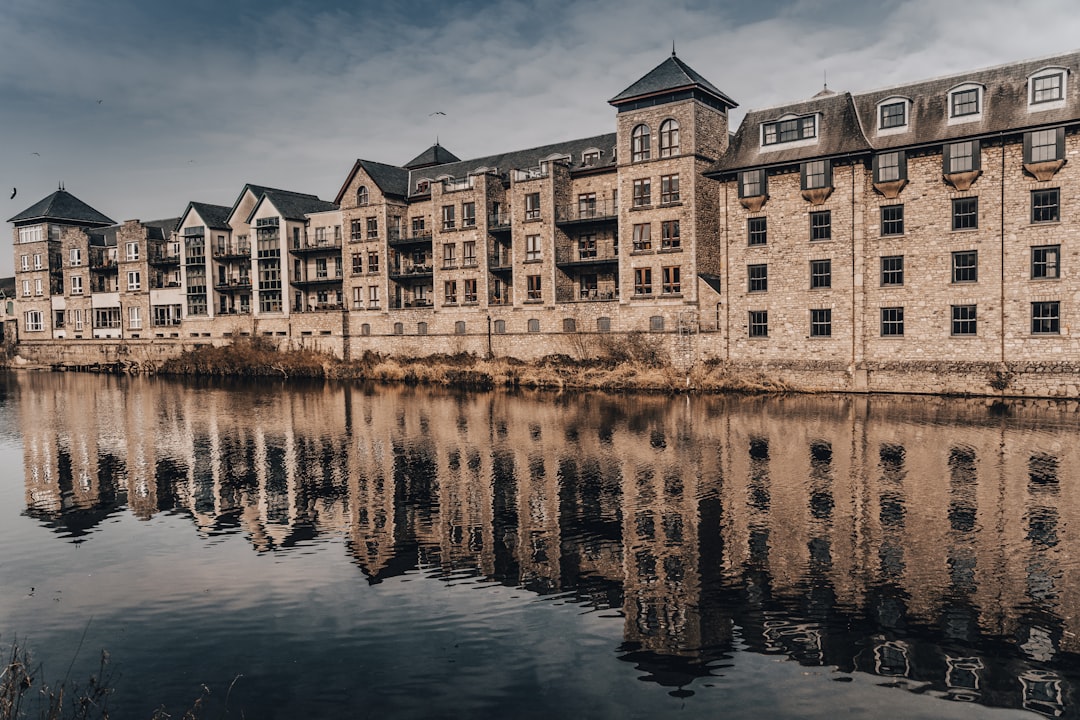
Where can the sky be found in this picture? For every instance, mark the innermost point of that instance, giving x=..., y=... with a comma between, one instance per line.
x=139, y=106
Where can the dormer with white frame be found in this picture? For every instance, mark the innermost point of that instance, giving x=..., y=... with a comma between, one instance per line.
x=966, y=103
x=591, y=156
x=893, y=115
x=790, y=131
x=1047, y=88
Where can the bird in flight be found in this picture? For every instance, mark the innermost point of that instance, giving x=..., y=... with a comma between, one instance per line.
x=437, y=112
x=13, y=191
x=98, y=102
x=36, y=153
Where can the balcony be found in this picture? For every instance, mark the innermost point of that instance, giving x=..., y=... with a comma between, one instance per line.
x=103, y=265
x=407, y=272
x=416, y=237
x=233, y=284
x=585, y=212
x=580, y=257
x=533, y=173
x=585, y=295
x=311, y=245
x=231, y=251
x=317, y=281
x=163, y=258
x=499, y=222
x=231, y=311
x=499, y=262
x=318, y=307
x=415, y=303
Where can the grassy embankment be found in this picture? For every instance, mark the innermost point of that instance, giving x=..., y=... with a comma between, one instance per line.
x=630, y=362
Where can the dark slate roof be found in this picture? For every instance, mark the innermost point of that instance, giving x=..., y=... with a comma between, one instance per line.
x=216, y=217
x=160, y=229
x=390, y=179
x=839, y=133
x=672, y=74
x=520, y=159
x=62, y=207
x=7, y=287
x=434, y=155
x=104, y=237
x=1005, y=104
x=291, y=205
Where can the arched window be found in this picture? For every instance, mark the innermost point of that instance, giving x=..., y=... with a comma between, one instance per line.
x=365, y=329
x=459, y=327
x=534, y=325
x=421, y=328
x=669, y=138
x=500, y=327
x=603, y=324
x=362, y=195
x=639, y=143
x=569, y=325
x=399, y=328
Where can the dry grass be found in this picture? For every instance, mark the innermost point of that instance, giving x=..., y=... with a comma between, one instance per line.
x=24, y=695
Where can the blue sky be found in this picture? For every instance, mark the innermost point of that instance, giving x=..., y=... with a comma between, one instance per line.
x=140, y=106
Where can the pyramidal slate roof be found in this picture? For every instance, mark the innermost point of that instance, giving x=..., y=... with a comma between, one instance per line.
x=434, y=155
x=670, y=75
x=62, y=207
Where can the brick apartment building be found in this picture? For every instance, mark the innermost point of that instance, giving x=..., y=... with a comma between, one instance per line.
x=915, y=237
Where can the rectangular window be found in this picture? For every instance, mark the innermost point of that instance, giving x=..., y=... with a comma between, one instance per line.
x=586, y=246
x=30, y=234
x=965, y=213
x=356, y=230
x=79, y=318
x=135, y=318
x=820, y=274
x=532, y=206
x=751, y=183
x=34, y=321
x=450, y=292
x=965, y=266
x=468, y=254
x=643, y=281
x=1044, y=262
x=532, y=248
x=669, y=235
x=803, y=128
x=642, y=237
x=816, y=174
x=26, y=288
x=642, y=192
x=76, y=285
x=449, y=256
x=893, y=115
x=759, y=323
x=131, y=251
x=963, y=320
x=533, y=287
x=418, y=229
x=1044, y=145
x=320, y=269
x=669, y=188
x=964, y=102
x=371, y=225
x=757, y=231
x=357, y=263
x=672, y=277
x=358, y=297
x=961, y=157
x=892, y=270
x=373, y=261
x=468, y=214
x=757, y=278
x=892, y=322
x=74, y=257
x=821, y=225
x=470, y=291
x=37, y=286
x=37, y=261
x=373, y=297
x=586, y=205
x=1045, y=205
x=892, y=220
x=1045, y=318
x=448, y=221
x=821, y=323
x=26, y=263
x=890, y=166
x=1046, y=88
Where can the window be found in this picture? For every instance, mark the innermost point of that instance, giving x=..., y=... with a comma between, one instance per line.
x=418, y=229
x=459, y=327
x=532, y=206
x=759, y=323
x=532, y=248
x=356, y=230
x=37, y=261
x=586, y=205
x=108, y=318
x=757, y=278
x=135, y=318
x=134, y=280
x=365, y=329
x=421, y=328
x=358, y=297
x=320, y=269
x=357, y=263
x=372, y=226
x=500, y=327
x=1044, y=262
x=751, y=183
x=468, y=214
x=34, y=321
x=639, y=143
x=1044, y=145
x=1045, y=318
x=399, y=328
x=892, y=322
x=962, y=157
x=1045, y=205
x=448, y=222
x=890, y=166
x=672, y=277
x=790, y=130
x=76, y=285
x=30, y=234
x=534, y=288
x=37, y=286
x=821, y=225
x=450, y=295
x=590, y=157
x=656, y=323
x=892, y=220
x=1047, y=88
x=893, y=114
x=373, y=297
x=965, y=213
x=131, y=251
x=25, y=263
x=74, y=257
x=669, y=235
x=816, y=174
x=468, y=254
x=642, y=192
x=821, y=323
x=963, y=320
x=757, y=231
x=642, y=237
x=373, y=261
x=533, y=325
x=603, y=324
x=965, y=266
x=669, y=138
x=26, y=288
x=361, y=195
x=643, y=281
x=820, y=274
x=964, y=102
x=470, y=290
x=669, y=188
x=449, y=256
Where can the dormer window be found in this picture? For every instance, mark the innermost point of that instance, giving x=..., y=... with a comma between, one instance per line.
x=1047, y=88
x=590, y=157
x=789, y=130
x=422, y=186
x=965, y=103
x=892, y=114
x=362, y=196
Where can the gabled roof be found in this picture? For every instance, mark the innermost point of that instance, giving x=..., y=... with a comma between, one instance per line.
x=434, y=155
x=216, y=217
x=390, y=179
x=62, y=207
x=292, y=206
x=671, y=75
x=160, y=229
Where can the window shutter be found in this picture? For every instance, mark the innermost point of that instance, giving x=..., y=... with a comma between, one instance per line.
x=763, y=177
x=1027, y=147
x=1060, y=143
x=741, y=179
x=802, y=176
x=976, y=155
x=946, y=155
x=877, y=174
x=901, y=162
x=828, y=173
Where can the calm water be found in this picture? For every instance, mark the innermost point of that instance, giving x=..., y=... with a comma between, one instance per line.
x=337, y=551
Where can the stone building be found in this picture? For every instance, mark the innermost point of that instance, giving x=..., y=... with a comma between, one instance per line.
x=912, y=237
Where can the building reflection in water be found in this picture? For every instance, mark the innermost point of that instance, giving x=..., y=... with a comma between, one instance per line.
x=924, y=541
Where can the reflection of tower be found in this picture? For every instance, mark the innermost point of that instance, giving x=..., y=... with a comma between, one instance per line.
x=539, y=534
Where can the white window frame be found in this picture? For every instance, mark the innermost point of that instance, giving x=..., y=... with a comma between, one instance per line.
x=895, y=129
x=1062, y=73
x=37, y=287
x=778, y=143
x=30, y=234
x=75, y=257
x=76, y=285
x=135, y=318
x=26, y=288
x=34, y=321
x=25, y=263
x=373, y=297
x=533, y=248
x=980, y=102
x=134, y=280
x=37, y=261
x=78, y=320
x=131, y=250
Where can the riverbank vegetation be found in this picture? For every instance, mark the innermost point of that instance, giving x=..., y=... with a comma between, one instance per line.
x=635, y=362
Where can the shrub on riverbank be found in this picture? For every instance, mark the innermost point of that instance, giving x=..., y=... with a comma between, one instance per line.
x=253, y=357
